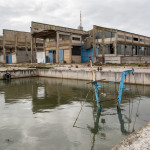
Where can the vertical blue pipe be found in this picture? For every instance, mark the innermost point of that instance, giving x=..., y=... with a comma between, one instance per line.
x=96, y=94
x=121, y=87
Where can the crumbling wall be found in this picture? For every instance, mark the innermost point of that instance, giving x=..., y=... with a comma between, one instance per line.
x=23, y=56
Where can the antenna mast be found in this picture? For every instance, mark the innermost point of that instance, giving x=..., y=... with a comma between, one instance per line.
x=80, y=26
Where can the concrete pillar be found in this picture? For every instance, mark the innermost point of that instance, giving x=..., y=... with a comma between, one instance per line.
x=16, y=46
x=44, y=47
x=26, y=48
x=125, y=47
x=132, y=45
x=115, y=43
x=94, y=45
x=35, y=46
x=31, y=49
x=4, y=50
x=57, y=47
x=103, y=46
x=70, y=51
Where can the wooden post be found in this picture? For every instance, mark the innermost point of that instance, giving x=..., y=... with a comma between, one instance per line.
x=57, y=47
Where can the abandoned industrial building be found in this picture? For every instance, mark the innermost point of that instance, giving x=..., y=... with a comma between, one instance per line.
x=54, y=44
x=61, y=45
x=15, y=47
x=116, y=46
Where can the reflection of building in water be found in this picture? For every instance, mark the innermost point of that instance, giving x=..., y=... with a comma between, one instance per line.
x=2, y=99
x=57, y=92
x=41, y=92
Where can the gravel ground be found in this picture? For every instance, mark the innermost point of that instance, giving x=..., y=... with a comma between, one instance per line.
x=139, y=140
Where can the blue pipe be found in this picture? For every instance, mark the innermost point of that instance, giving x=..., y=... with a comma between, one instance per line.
x=122, y=87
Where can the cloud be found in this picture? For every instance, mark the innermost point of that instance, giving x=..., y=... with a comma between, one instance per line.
x=128, y=15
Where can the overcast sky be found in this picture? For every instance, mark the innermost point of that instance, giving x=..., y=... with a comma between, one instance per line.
x=128, y=15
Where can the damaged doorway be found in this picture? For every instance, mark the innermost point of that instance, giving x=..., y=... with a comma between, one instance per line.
x=52, y=56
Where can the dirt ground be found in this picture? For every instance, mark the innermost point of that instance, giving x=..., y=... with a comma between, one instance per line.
x=75, y=67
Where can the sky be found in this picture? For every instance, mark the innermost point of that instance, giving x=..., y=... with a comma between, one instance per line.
x=128, y=15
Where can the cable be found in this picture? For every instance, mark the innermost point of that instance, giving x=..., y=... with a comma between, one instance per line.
x=81, y=108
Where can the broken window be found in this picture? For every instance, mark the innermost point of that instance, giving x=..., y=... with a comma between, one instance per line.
x=1, y=42
x=109, y=34
x=99, y=49
x=120, y=36
x=141, y=50
x=120, y=49
x=39, y=44
x=135, y=39
x=98, y=35
x=128, y=50
x=147, y=51
x=147, y=41
x=63, y=37
x=109, y=49
x=128, y=37
x=76, y=50
x=76, y=38
x=141, y=40
x=135, y=50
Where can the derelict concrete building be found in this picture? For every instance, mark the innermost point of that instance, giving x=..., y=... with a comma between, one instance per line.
x=115, y=46
x=61, y=44
x=15, y=47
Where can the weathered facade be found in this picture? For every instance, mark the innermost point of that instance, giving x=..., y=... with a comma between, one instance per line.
x=16, y=47
x=55, y=44
x=1, y=48
x=116, y=46
x=60, y=44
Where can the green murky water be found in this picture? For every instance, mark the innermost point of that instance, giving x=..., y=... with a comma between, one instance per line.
x=39, y=113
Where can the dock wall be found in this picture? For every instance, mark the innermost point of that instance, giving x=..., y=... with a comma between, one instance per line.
x=137, y=78
x=20, y=73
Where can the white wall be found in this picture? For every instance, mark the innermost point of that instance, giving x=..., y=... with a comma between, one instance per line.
x=14, y=58
x=40, y=56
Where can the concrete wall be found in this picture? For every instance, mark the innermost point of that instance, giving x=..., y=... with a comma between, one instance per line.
x=23, y=56
x=14, y=59
x=40, y=56
x=115, y=59
x=39, y=27
x=135, y=59
x=20, y=73
x=76, y=59
x=140, y=78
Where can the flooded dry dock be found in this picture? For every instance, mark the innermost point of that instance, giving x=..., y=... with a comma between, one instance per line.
x=38, y=113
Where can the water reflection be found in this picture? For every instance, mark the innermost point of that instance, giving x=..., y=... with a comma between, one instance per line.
x=43, y=110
